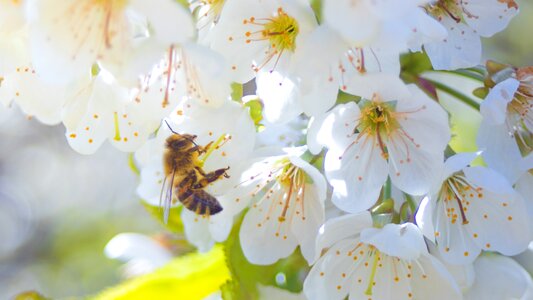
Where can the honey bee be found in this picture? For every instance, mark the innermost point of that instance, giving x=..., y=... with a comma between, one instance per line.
x=185, y=176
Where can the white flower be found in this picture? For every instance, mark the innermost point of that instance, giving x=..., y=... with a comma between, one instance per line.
x=507, y=127
x=35, y=97
x=340, y=66
x=68, y=37
x=12, y=22
x=466, y=21
x=231, y=122
x=473, y=209
x=97, y=110
x=207, y=15
x=282, y=135
x=260, y=38
x=371, y=263
x=286, y=198
x=379, y=23
x=141, y=253
x=399, y=132
x=261, y=35
x=524, y=186
x=499, y=277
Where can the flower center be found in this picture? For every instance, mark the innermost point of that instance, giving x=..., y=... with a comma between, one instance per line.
x=280, y=32
x=451, y=8
x=293, y=180
x=457, y=193
x=378, y=120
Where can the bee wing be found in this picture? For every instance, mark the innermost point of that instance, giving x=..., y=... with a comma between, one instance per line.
x=168, y=195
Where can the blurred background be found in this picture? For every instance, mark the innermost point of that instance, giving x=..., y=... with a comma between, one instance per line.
x=58, y=209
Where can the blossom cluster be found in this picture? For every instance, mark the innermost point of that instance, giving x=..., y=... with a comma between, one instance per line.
x=332, y=149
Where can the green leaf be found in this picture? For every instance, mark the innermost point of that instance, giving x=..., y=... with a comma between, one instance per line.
x=174, y=224
x=246, y=276
x=193, y=276
x=30, y=295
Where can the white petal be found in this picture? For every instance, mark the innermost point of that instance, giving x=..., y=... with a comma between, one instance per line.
x=171, y=23
x=489, y=180
x=437, y=282
x=357, y=175
x=264, y=238
x=404, y=241
x=306, y=230
x=424, y=218
x=500, y=151
x=457, y=162
x=35, y=97
x=337, y=229
x=129, y=246
x=325, y=281
x=489, y=17
x=460, y=49
x=494, y=107
x=499, y=277
x=197, y=230
x=207, y=72
x=280, y=95
x=334, y=130
x=152, y=178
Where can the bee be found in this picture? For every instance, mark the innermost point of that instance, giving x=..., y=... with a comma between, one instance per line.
x=184, y=175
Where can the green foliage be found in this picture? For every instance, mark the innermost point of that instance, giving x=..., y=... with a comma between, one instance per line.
x=246, y=276
x=193, y=276
x=30, y=295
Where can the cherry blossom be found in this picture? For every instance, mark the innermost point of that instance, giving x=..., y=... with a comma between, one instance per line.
x=473, y=209
x=378, y=263
x=397, y=131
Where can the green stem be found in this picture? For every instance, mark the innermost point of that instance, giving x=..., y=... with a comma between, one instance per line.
x=460, y=96
x=132, y=164
x=467, y=74
x=387, y=189
x=411, y=202
x=479, y=69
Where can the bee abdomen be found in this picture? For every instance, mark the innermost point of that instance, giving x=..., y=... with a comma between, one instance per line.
x=200, y=202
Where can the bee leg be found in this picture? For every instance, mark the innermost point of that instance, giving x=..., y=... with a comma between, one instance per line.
x=200, y=149
x=200, y=170
x=210, y=177
x=215, y=175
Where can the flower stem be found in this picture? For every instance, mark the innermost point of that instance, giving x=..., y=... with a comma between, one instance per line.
x=387, y=189
x=467, y=73
x=411, y=202
x=452, y=92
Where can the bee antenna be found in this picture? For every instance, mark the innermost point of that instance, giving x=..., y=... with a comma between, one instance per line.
x=174, y=132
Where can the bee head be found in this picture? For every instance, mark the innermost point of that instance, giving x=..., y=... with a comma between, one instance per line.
x=180, y=142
